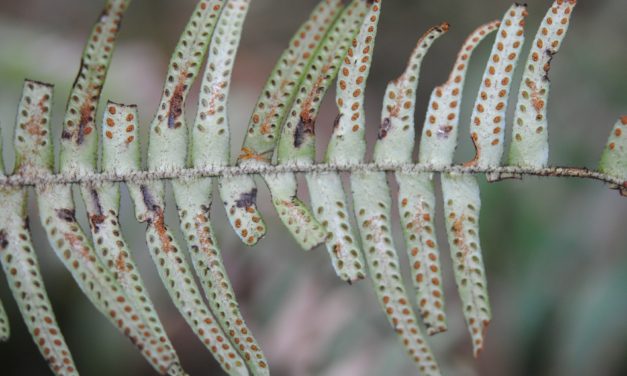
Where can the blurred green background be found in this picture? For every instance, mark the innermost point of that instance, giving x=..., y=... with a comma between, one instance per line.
x=555, y=249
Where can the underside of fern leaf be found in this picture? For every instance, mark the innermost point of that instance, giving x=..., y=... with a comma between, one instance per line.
x=327, y=193
x=239, y=193
x=488, y=117
x=614, y=157
x=530, y=140
x=297, y=141
x=416, y=192
x=337, y=41
x=395, y=144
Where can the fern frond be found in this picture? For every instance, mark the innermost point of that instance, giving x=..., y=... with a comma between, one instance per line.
x=103, y=203
x=441, y=125
x=338, y=38
x=239, y=193
x=57, y=214
x=17, y=255
x=297, y=141
x=461, y=210
x=373, y=208
x=79, y=153
x=347, y=144
x=416, y=192
x=168, y=256
x=395, y=141
x=372, y=204
x=416, y=203
x=168, y=150
x=79, y=140
x=287, y=77
x=210, y=146
x=488, y=117
x=194, y=202
x=21, y=268
x=530, y=137
x=168, y=133
x=614, y=157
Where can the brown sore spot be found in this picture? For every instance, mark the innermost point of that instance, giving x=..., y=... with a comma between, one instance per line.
x=83, y=125
x=120, y=263
x=95, y=220
x=159, y=223
x=176, y=103
x=248, y=154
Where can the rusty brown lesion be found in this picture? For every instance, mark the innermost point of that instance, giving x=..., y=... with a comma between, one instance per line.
x=97, y=217
x=158, y=222
x=536, y=97
x=77, y=245
x=214, y=96
x=375, y=228
x=460, y=238
x=120, y=263
x=95, y=220
x=203, y=233
x=247, y=154
x=35, y=128
x=478, y=326
x=397, y=94
x=34, y=124
x=267, y=125
x=176, y=101
x=86, y=118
